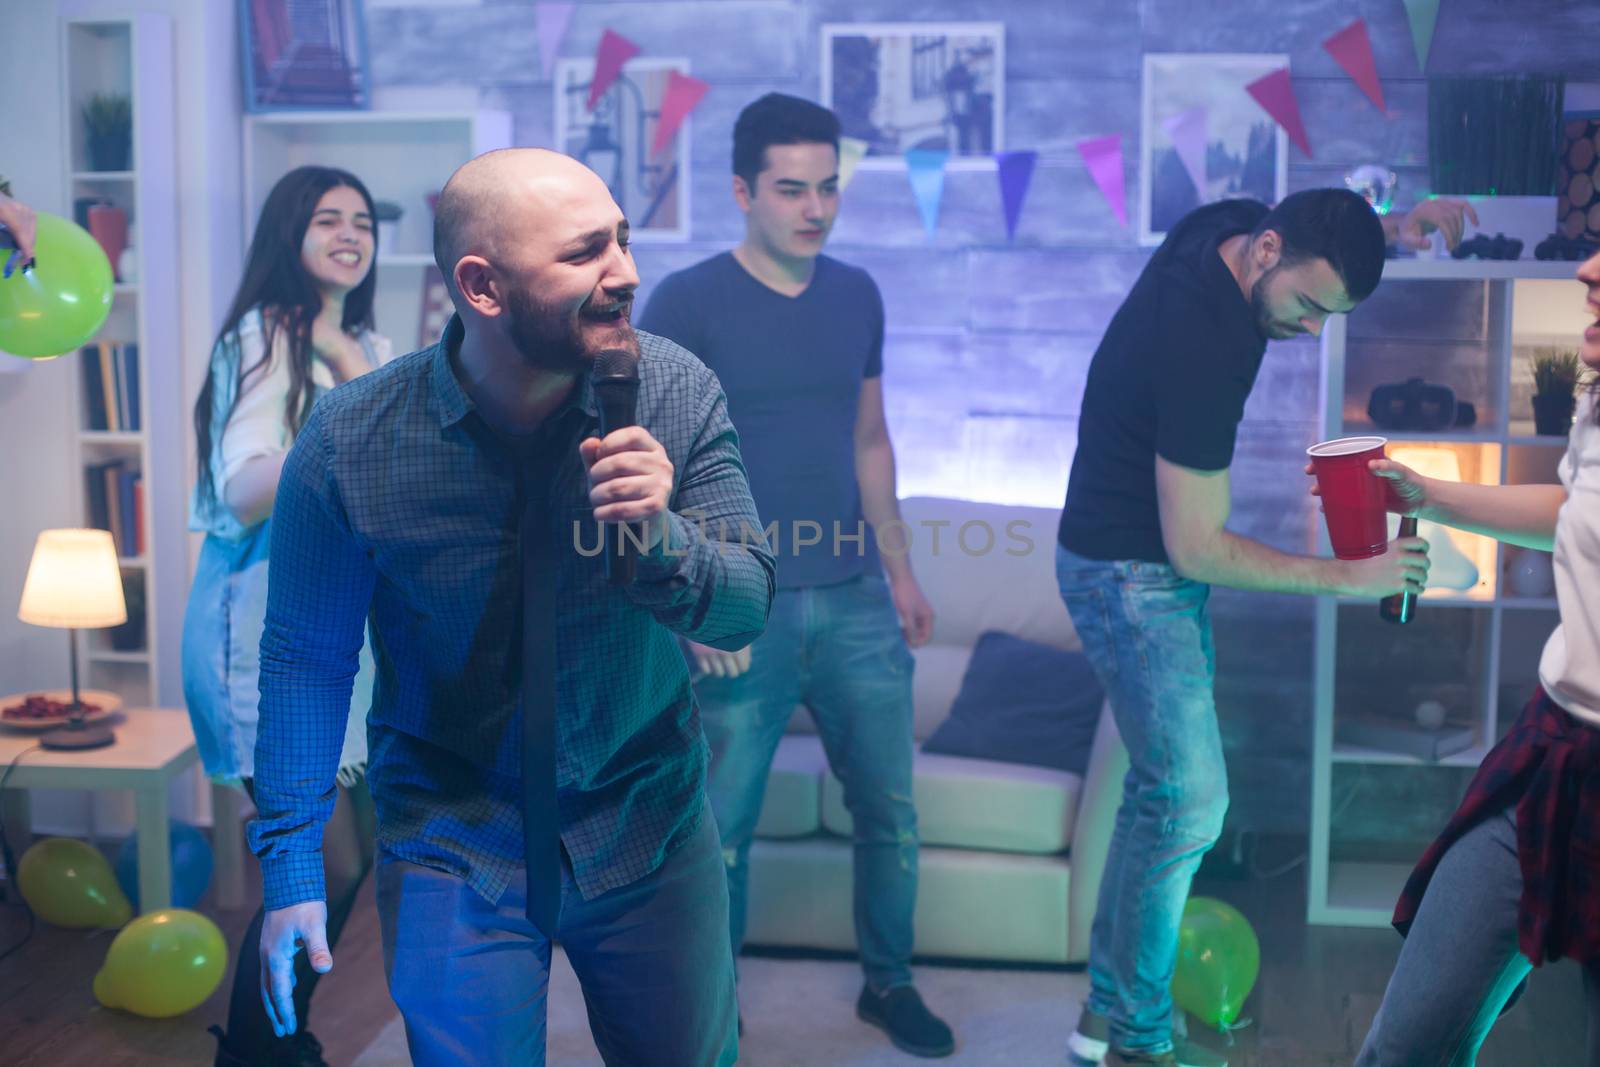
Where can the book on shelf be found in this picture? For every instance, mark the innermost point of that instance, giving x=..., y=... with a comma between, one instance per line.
x=1389, y=734
x=116, y=502
x=111, y=387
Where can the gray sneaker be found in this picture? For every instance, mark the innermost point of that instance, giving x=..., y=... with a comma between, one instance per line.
x=1091, y=1038
x=1185, y=1053
x=1090, y=1043
x=1140, y=1059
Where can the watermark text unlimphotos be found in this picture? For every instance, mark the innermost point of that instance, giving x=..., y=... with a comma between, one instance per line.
x=895, y=538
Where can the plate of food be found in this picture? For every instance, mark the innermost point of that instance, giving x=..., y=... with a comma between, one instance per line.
x=46, y=709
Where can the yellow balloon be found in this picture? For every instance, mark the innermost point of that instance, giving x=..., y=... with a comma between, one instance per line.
x=63, y=300
x=69, y=883
x=162, y=964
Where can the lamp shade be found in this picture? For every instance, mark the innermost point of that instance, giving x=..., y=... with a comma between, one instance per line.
x=73, y=581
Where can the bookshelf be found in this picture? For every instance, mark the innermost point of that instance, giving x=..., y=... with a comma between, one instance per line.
x=402, y=157
x=129, y=417
x=1475, y=647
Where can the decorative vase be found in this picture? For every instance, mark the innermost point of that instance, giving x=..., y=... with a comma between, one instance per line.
x=1531, y=574
x=110, y=151
x=127, y=264
x=109, y=225
x=1552, y=413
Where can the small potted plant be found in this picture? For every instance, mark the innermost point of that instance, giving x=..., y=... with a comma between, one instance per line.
x=108, y=131
x=1555, y=382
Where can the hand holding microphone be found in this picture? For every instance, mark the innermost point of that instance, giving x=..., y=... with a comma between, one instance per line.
x=630, y=476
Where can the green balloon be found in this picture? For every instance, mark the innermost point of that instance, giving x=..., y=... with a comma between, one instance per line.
x=162, y=964
x=68, y=883
x=63, y=300
x=1218, y=960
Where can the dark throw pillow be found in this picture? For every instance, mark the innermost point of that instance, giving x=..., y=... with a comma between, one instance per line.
x=1023, y=702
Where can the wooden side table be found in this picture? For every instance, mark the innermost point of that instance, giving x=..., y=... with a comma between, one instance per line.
x=154, y=746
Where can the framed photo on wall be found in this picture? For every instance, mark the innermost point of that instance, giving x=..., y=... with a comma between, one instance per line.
x=304, y=54
x=899, y=86
x=1203, y=137
x=614, y=141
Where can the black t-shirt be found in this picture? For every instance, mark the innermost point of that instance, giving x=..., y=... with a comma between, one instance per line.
x=1170, y=377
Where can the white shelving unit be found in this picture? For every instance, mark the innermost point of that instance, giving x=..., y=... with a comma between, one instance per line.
x=402, y=157
x=133, y=56
x=1483, y=637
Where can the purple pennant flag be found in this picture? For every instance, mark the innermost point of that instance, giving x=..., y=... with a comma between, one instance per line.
x=1103, y=157
x=925, y=168
x=1016, y=171
x=550, y=21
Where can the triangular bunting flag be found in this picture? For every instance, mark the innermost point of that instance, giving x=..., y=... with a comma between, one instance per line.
x=614, y=51
x=682, y=94
x=550, y=22
x=1351, y=48
x=926, y=170
x=1423, y=15
x=1187, y=131
x=851, y=152
x=1103, y=157
x=1274, y=93
x=1016, y=171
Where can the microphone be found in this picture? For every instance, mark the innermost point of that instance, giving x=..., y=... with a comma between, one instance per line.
x=615, y=378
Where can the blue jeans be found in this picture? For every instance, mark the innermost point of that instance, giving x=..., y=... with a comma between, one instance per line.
x=1147, y=632
x=1460, y=963
x=470, y=978
x=839, y=650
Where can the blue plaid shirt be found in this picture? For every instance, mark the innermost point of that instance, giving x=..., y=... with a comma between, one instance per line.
x=398, y=501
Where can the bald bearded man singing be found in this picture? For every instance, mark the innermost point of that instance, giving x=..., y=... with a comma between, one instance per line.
x=536, y=760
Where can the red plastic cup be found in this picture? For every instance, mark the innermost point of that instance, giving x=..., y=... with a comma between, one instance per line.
x=1354, y=500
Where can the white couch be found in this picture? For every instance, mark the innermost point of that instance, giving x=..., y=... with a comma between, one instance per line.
x=1011, y=855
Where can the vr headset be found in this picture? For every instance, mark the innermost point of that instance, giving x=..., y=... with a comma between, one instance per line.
x=1415, y=405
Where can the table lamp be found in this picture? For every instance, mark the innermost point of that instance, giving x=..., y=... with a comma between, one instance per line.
x=74, y=582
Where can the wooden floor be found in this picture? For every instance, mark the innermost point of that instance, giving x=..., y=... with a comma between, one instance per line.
x=1317, y=993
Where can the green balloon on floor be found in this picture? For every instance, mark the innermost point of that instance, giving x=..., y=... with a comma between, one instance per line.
x=63, y=300
x=1218, y=960
x=162, y=964
x=68, y=883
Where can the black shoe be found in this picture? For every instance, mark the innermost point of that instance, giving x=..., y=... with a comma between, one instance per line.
x=901, y=1014
x=300, y=1049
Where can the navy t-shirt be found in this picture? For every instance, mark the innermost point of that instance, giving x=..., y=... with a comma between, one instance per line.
x=1170, y=377
x=792, y=369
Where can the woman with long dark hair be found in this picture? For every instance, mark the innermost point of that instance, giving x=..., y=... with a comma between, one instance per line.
x=1514, y=880
x=300, y=324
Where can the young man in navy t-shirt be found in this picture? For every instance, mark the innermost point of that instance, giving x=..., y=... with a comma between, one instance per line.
x=796, y=339
x=1143, y=538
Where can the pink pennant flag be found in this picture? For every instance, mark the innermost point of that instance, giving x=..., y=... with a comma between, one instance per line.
x=1103, y=157
x=1187, y=132
x=1015, y=172
x=614, y=51
x=1351, y=48
x=550, y=22
x=680, y=98
x=1274, y=93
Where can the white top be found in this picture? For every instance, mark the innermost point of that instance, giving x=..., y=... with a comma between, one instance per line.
x=1570, y=667
x=256, y=427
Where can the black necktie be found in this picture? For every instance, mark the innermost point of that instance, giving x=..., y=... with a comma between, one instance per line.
x=541, y=826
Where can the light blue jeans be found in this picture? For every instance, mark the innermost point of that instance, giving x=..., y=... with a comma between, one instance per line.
x=1148, y=634
x=839, y=650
